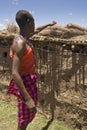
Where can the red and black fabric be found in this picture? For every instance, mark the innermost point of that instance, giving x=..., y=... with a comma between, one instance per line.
x=25, y=115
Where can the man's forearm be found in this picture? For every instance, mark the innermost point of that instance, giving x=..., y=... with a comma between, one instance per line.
x=21, y=87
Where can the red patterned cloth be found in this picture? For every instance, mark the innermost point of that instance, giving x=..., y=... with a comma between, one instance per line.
x=25, y=115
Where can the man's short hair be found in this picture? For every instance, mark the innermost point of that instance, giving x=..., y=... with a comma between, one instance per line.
x=22, y=17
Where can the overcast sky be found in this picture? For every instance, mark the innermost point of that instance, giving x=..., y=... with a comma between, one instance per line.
x=45, y=11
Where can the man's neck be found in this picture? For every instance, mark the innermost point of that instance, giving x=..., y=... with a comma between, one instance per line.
x=25, y=35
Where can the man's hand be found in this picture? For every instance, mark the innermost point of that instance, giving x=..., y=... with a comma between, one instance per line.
x=30, y=103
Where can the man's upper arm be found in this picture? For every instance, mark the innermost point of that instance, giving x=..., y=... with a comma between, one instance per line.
x=18, y=48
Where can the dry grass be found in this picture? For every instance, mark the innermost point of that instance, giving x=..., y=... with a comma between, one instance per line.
x=8, y=120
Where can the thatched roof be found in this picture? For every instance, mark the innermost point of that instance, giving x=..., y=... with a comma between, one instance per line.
x=6, y=37
x=70, y=33
x=52, y=32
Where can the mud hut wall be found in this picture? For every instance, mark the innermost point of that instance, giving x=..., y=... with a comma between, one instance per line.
x=5, y=62
x=59, y=69
x=54, y=63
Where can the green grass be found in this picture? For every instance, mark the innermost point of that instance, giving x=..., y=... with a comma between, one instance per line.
x=8, y=120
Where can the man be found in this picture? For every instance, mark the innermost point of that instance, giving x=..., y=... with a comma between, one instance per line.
x=23, y=83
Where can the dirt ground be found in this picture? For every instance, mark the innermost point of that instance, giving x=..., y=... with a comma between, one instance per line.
x=72, y=107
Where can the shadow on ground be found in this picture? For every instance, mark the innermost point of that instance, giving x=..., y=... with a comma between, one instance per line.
x=47, y=125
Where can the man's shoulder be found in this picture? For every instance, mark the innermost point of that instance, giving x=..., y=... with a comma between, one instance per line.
x=18, y=44
x=19, y=41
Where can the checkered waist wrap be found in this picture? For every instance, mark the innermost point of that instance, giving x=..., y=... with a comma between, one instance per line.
x=25, y=115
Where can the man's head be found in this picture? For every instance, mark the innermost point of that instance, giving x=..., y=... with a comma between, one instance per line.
x=23, y=17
